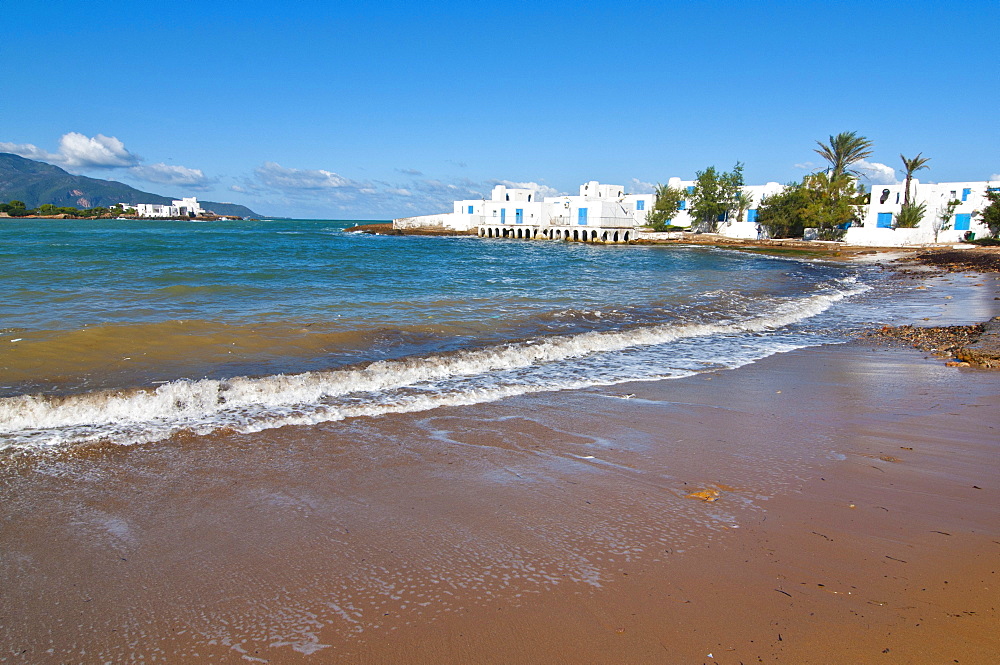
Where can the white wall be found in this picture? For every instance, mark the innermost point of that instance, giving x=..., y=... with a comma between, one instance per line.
x=449, y=221
x=514, y=195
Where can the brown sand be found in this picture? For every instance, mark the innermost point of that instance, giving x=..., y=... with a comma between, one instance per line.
x=857, y=521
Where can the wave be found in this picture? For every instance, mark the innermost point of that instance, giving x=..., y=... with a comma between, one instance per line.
x=251, y=404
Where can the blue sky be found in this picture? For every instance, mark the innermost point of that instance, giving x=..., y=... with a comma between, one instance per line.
x=351, y=110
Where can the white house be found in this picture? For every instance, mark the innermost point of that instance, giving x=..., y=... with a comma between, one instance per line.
x=601, y=213
x=728, y=225
x=878, y=226
x=186, y=207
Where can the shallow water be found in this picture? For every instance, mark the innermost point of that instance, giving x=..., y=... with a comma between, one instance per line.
x=130, y=331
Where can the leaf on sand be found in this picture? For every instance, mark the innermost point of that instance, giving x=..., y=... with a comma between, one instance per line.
x=705, y=495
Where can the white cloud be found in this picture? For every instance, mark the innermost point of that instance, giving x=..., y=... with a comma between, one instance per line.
x=412, y=172
x=543, y=190
x=875, y=173
x=27, y=150
x=995, y=176
x=806, y=166
x=79, y=151
x=278, y=177
x=640, y=187
x=169, y=174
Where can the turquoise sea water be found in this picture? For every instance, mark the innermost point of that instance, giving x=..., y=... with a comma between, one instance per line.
x=131, y=331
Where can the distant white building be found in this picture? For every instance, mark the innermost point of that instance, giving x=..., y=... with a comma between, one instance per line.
x=186, y=207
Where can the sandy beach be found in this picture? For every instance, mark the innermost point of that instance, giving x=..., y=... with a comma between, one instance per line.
x=853, y=517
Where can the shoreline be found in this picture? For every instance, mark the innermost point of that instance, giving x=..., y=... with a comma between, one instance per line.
x=856, y=515
x=779, y=246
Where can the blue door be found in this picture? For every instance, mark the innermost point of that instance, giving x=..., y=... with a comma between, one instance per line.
x=963, y=221
x=503, y=215
x=884, y=220
x=752, y=215
x=470, y=210
x=581, y=216
x=519, y=215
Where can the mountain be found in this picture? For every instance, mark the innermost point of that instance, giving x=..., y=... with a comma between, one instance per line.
x=37, y=183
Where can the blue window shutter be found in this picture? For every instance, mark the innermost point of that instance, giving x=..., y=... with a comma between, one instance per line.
x=581, y=216
x=470, y=210
x=682, y=205
x=963, y=221
x=640, y=205
x=503, y=215
x=752, y=215
x=884, y=220
x=519, y=215
x=965, y=194
x=690, y=189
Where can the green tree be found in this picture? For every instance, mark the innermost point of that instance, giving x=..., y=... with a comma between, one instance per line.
x=668, y=202
x=991, y=214
x=743, y=202
x=781, y=213
x=14, y=208
x=715, y=195
x=909, y=216
x=844, y=149
x=834, y=203
x=910, y=166
x=944, y=217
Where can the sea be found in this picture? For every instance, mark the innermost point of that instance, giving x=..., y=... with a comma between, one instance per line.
x=127, y=332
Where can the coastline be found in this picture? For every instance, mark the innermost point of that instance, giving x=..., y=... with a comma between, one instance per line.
x=944, y=256
x=856, y=516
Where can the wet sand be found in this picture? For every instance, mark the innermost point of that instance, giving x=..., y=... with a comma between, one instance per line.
x=857, y=520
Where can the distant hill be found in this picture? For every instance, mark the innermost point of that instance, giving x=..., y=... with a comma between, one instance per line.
x=37, y=183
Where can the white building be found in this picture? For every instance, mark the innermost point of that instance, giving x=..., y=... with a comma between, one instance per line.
x=601, y=213
x=878, y=228
x=605, y=213
x=186, y=207
x=727, y=225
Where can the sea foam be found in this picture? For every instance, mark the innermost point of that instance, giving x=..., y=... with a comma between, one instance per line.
x=251, y=404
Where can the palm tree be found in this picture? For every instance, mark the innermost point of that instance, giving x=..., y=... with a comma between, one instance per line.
x=911, y=165
x=844, y=149
x=743, y=201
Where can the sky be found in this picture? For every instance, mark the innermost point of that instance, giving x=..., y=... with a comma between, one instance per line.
x=330, y=110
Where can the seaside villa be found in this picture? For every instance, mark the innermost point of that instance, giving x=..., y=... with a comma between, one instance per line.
x=607, y=214
x=186, y=207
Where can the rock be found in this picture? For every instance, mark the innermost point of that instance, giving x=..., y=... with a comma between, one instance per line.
x=986, y=350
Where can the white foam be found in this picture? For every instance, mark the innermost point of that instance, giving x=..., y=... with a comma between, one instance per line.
x=252, y=404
